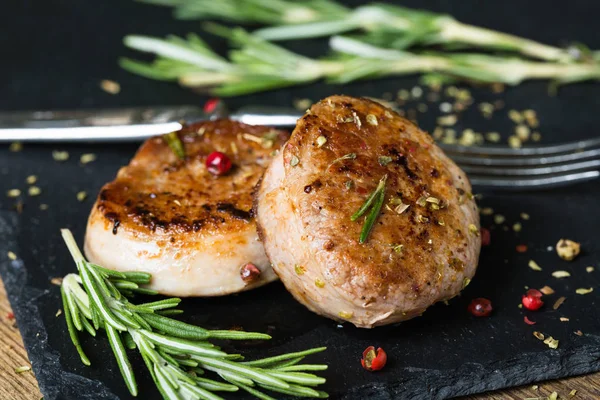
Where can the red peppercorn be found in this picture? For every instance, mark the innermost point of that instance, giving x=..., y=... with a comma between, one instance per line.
x=521, y=248
x=10, y=316
x=532, y=300
x=486, y=237
x=218, y=163
x=211, y=105
x=528, y=321
x=249, y=273
x=480, y=307
x=373, y=361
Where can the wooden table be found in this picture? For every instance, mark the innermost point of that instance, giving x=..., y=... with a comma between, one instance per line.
x=23, y=386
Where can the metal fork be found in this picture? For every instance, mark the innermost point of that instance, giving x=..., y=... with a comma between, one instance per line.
x=497, y=168
x=538, y=167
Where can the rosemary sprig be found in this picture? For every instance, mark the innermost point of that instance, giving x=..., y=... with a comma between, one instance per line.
x=174, y=352
x=385, y=24
x=374, y=202
x=256, y=65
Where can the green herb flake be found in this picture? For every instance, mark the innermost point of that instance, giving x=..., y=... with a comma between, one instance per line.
x=349, y=184
x=384, y=160
x=398, y=248
x=349, y=156
x=174, y=142
x=294, y=161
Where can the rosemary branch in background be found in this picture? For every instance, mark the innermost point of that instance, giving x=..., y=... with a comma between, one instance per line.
x=386, y=25
x=256, y=65
x=176, y=354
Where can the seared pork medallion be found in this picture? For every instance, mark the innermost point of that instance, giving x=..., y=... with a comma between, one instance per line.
x=364, y=218
x=188, y=221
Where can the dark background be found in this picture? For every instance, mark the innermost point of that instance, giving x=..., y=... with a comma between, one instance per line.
x=54, y=54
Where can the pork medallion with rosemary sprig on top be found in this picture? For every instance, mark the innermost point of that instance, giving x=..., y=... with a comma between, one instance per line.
x=364, y=218
x=181, y=210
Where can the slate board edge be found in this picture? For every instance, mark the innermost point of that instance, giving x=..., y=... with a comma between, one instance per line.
x=45, y=361
x=56, y=384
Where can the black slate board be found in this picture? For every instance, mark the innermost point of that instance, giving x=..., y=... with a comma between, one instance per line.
x=68, y=46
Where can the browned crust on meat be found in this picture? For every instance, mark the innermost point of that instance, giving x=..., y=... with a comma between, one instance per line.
x=417, y=168
x=157, y=192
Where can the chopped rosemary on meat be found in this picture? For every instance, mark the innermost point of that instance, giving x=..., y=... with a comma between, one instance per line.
x=174, y=352
x=349, y=156
x=384, y=160
x=373, y=202
x=172, y=139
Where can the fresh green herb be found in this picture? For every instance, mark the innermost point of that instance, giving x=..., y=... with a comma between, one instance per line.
x=385, y=160
x=175, y=144
x=395, y=26
x=256, y=65
x=374, y=202
x=174, y=352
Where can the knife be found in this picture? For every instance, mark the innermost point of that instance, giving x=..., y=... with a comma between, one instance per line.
x=127, y=124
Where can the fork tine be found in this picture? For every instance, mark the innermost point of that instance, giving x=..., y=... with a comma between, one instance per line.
x=525, y=161
x=532, y=172
x=536, y=183
x=482, y=151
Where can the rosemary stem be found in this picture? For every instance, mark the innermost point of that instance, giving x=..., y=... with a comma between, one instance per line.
x=72, y=246
x=458, y=32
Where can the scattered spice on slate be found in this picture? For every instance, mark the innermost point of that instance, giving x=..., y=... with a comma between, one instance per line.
x=583, y=291
x=373, y=360
x=578, y=333
x=110, y=87
x=81, y=196
x=31, y=179
x=11, y=256
x=15, y=147
x=60, y=156
x=558, y=302
x=34, y=191
x=534, y=266
x=547, y=290
x=87, y=158
x=561, y=274
x=567, y=249
x=12, y=193
x=521, y=248
x=589, y=269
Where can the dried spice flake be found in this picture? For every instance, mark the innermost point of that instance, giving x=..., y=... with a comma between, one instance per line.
x=320, y=283
x=13, y=193
x=538, y=335
x=43, y=207
x=473, y=230
x=552, y=343
x=578, y=333
x=59, y=312
x=384, y=160
x=547, y=290
x=87, y=158
x=583, y=291
x=589, y=269
x=110, y=87
x=81, y=196
x=56, y=281
x=499, y=219
x=60, y=156
x=517, y=227
x=558, y=302
x=299, y=269
x=24, y=368
x=31, y=179
x=346, y=314
x=372, y=120
x=294, y=161
x=15, y=147
x=534, y=266
x=567, y=249
x=486, y=211
x=525, y=216
x=34, y=191
x=11, y=256
x=321, y=140
x=564, y=319
x=561, y=274
x=573, y=392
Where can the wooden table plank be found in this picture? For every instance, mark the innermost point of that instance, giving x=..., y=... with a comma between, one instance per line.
x=24, y=386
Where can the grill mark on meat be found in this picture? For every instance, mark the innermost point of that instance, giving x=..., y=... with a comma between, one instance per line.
x=233, y=211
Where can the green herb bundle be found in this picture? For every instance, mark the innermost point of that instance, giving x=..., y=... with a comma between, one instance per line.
x=256, y=65
x=386, y=25
x=176, y=354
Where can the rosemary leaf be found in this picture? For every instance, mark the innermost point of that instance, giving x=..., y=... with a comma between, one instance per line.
x=370, y=199
x=374, y=213
x=238, y=335
x=265, y=362
x=119, y=351
x=175, y=144
x=71, y=328
x=176, y=328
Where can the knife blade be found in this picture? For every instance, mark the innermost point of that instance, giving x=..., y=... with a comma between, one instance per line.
x=126, y=124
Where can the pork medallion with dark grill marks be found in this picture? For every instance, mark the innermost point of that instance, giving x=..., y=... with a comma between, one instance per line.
x=192, y=230
x=424, y=243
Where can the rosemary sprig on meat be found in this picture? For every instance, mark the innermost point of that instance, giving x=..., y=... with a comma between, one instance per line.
x=176, y=354
x=175, y=144
x=385, y=24
x=374, y=202
x=256, y=65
